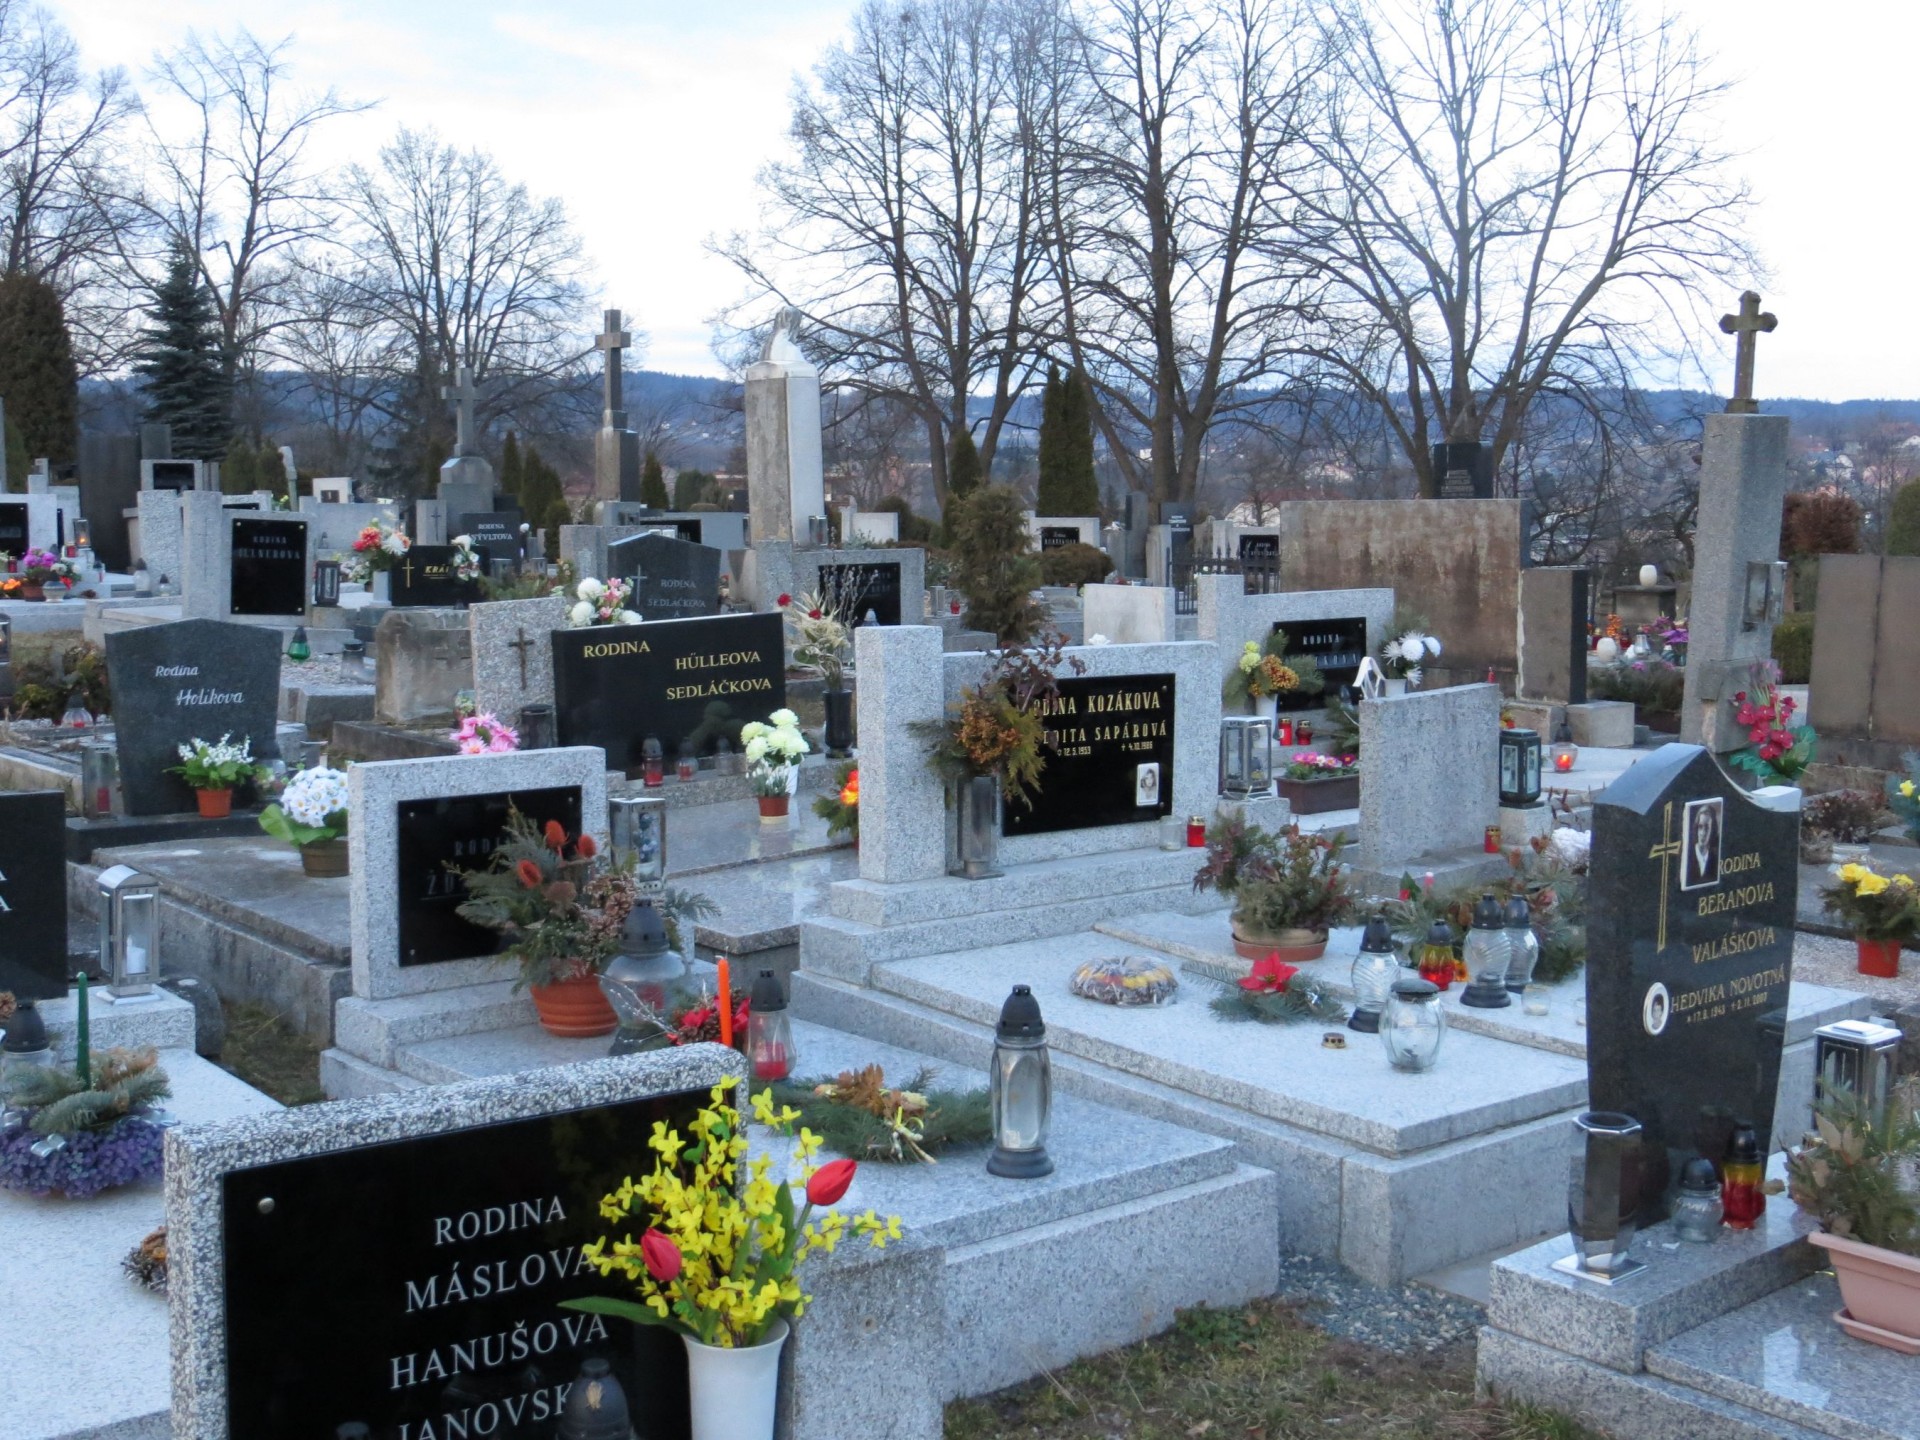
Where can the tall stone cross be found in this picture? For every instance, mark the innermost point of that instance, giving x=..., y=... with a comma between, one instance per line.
x=463, y=394
x=612, y=341
x=1748, y=325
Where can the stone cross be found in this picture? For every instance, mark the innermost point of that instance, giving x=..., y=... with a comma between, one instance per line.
x=523, y=644
x=463, y=394
x=1748, y=325
x=613, y=340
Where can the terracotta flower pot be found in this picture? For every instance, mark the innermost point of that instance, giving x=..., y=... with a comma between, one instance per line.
x=214, y=804
x=574, y=1009
x=324, y=859
x=774, y=807
x=1317, y=797
x=1294, y=947
x=1881, y=1289
x=1878, y=957
x=29, y=590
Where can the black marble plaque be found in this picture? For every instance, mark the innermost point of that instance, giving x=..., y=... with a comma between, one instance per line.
x=425, y=577
x=269, y=574
x=495, y=531
x=459, y=831
x=175, y=475
x=1689, y=953
x=853, y=590
x=189, y=679
x=1109, y=749
x=678, y=680
x=1263, y=548
x=13, y=528
x=1463, y=471
x=1054, y=537
x=33, y=893
x=673, y=579
x=414, y=1286
x=1337, y=646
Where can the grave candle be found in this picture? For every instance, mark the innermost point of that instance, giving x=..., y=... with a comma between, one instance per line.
x=1196, y=832
x=1742, y=1175
x=1286, y=732
x=1303, y=732
x=723, y=997
x=652, y=762
x=83, y=1038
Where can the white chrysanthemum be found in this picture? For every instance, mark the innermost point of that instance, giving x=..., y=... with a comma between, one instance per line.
x=628, y=617
x=463, y=542
x=783, y=717
x=756, y=749
x=590, y=589
x=1098, y=640
x=395, y=542
x=581, y=614
x=753, y=730
x=1433, y=644
x=1573, y=846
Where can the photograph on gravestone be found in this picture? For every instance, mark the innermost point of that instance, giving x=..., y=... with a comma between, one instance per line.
x=269, y=575
x=425, y=577
x=852, y=590
x=14, y=529
x=495, y=531
x=436, y=837
x=672, y=579
x=681, y=681
x=174, y=474
x=1690, y=951
x=33, y=893
x=1463, y=471
x=1109, y=756
x=414, y=1286
x=1337, y=646
x=186, y=680
x=1053, y=537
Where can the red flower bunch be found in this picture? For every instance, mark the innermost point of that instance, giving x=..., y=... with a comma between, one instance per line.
x=784, y=601
x=1768, y=722
x=702, y=1022
x=1270, y=976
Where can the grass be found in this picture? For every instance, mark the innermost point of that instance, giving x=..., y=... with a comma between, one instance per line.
x=269, y=1054
x=1260, y=1373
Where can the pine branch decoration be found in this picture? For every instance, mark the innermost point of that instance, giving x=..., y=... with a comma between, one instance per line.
x=1299, y=1001
x=858, y=1115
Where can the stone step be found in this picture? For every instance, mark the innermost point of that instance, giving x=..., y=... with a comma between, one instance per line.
x=1045, y=882
x=375, y=1030
x=348, y=1077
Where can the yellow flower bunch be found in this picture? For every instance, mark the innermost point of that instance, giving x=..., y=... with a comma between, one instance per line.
x=723, y=1240
x=1875, y=906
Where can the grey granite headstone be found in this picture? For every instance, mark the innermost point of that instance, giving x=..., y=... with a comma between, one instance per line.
x=1429, y=776
x=673, y=580
x=423, y=658
x=189, y=679
x=513, y=653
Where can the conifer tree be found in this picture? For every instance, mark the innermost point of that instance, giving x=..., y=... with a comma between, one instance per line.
x=179, y=359
x=690, y=488
x=994, y=565
x=963, y=464
x=1049, y=493
x=37, y=375
x=653, y=484
x=18, y=461
x=1903, y=521
x=1082, y=488
x=513, y=472
x=240, y=467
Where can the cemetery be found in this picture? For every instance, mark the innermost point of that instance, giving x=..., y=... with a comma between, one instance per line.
x=732, y=956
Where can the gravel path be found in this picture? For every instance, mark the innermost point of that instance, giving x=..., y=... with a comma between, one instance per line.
x=1404, y=1320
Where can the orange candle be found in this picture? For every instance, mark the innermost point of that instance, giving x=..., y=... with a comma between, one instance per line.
x=725, y=1001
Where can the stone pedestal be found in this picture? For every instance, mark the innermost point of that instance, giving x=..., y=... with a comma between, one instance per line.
x=785, y=479
x=902, y=810
x=1602, y=724
x=1553, y=635
x=616, y=464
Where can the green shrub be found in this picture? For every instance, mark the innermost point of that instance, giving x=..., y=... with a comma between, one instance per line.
x=1793, y=647
x=993, y=563
x=1076, y=564
x=1651, y=685
x=913, y=530
x=1903, y=521
x=41, y=689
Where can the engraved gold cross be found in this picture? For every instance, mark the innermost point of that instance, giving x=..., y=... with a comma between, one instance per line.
x=1666, y=852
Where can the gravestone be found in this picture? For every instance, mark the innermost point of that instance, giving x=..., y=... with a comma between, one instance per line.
x=1689, y=955
x=1109, y=746
x=497, y=532
x=691, y=681
x=853, y=590
x=784, y=472
x=1056, y=537
x=175, y=475
x=1338, y=646
x=1553, y=635
x=466, y=479
x=512, y=654
x=425, y=577
x=188, y=679
x=33, y=893
x=673, y=580
x=1429, y=777
x=14, y=528
x=436, y=836
x=422, y=660
x=269, y=567
x=315, y=1252
x=1463, y=471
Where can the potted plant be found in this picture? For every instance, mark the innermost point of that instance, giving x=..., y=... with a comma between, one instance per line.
x=840, y=806
x=213, y=770
x=773, y=752
x=1313, y=783
x=719, y=1253
x=1836, y=826
x=562, y=906
x=39, y=568
x=1882, y=912
x=1854, y=1178
x=1404, y=657
x=1777, y=750
x=311, y=814
x=78, y=1129
x=821, y=644
x=1288, y=889
x=376, y=550
x=601, y=602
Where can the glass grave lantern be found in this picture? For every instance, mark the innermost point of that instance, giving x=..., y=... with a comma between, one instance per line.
x=638, y=825
x=1523, y=946
x=299, y=649
x=1856, y=1057
x=129, y=933
x=1564, y=752
x=26, y=1043
x=326, y=584
x=1413, y=1024
x=653, y=762
x=537, y=727
x=1021, y=1090
x=99, y=778
x=770, y=1052
x=1246, y=756
x=1487, y=952
x=1375, y=969
x=1519, y=768
x=636, y=979
x=353, y=661
x=1696, y=1208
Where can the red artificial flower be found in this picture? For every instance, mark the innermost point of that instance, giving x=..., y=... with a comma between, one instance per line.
x=830, y=1182
x=813, y=614
x=1270, y=976
x=556, y=835
x=529, y=873
x=586, y=849
x=662, y=1256
x=786, y=600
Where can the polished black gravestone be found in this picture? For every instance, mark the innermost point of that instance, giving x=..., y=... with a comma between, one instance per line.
x=1109, y=754
x=269, y=575
x=1689, y=953
x=1463, y=471
x=413, y=1286
x=1055, y=537
x=13, y=528
x=495, y=531
x=435, y=837
x=852, y=590
x=174, y=475
x=425, y=577
x=696, y=681
x=672, y=579
x=1337, y=646
x=185, y=680
x=33, y=893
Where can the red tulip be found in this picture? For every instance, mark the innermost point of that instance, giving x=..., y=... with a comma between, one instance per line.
x=830, y=1182
x=661, y=1255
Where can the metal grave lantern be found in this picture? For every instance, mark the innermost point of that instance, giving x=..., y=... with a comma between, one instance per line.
x=1021, y=1090
x=637, y=979
x=1370, y=681
x=1856, y=1057
x=326, y=582
x=638, y=825
x=129, y=933
x=1246, y=756
x=1519, y=768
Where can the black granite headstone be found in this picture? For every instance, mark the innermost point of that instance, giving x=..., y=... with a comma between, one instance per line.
x=1337, y=646
x=181, y=681
x=1689, y=953
x=1054, y=537
x=1463, y=471
x=269, y=575
x=1264, y=548
x=412, y=1286
x=173, y=475
x=852, y=590
x=673, y=580
x=1109, y=754
x=13, y=528
x=495, y=531
x=697, y=681
x=460, y=831
x=425, y=577
x=33, y=893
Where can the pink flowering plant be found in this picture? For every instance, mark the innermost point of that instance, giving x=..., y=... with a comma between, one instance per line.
x=1776, y=748
x=39, y=566
x=484, y=734
x=1311, y=765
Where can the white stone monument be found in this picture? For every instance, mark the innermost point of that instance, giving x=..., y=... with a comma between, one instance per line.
x=785, y=479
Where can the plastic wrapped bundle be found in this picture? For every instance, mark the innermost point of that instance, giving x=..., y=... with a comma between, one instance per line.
x=1125, y=980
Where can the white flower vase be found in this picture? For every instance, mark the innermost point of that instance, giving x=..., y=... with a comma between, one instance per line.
x=383, y=587
x=733, y=1392
x=1396, y=685
x=1266, y=705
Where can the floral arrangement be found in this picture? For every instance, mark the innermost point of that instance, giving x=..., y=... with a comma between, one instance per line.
x=1550, y=874
x=216, y=765
x=820, y=638
x=79, y=1130
x=377, y=547
x=1256, y=675
x=722, y=1242
x=601, y=602
x=999, y=727
x=1776, y=748
x=1275, y=993
x=1903, y=796
x=39, y=566
x=698, y=1023
x=773, y=749
x=1848, y=816
x=1615, y=630
x=483, y=733
x=1285, y=881
x=466, y=560
x=858, y=1114
x=312, y=808
x=1405, y=656
x=1874, y=906
x=560, y=904
x=840, y=807
x=1312, y=765
x=1671, y=634
x=1855, y=1175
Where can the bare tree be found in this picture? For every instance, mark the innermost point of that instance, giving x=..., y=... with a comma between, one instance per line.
x=866, y=438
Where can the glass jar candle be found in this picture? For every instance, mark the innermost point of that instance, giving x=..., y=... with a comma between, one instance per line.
x=1486, y=954
x=1434, y=957
x=653, y=765
x=1413, y=1024
x=1173, y=833
x=1696, y=1209
x=770, y=1053
x=1523, y=946
x=1285, y=737
x=1303, y=733
x=1741, y=1176
x=1375, y=969
x=1196, y=832
x=687, y=766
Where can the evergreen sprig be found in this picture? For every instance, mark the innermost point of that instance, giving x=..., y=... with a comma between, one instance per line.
x=124, y=1083
x=858, y=1116
x=1299, y=1001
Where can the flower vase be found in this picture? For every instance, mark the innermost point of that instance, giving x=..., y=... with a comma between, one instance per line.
x=773, y=807
x=1395, y=686
x=979, y=827
x=839, y=734
x=214, y=804
x=1879, y=958
x=1265, y=706
x=1294, y=946
x=574, y=1009
x=383, y=587
x=324, y=859
x=732, y=1393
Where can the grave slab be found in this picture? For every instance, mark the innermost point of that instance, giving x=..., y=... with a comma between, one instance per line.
x=1602, y=724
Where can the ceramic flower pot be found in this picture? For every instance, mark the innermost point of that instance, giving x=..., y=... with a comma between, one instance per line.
x=324, y=859
x=1293, y=946
x=774, y=807
x=732, y=1392
x=1395, y=686
x=1316, y=797
x=574, y=1009
x=214, y=804
x=1881, y=1289
x=31, y=591
x=1880, y=958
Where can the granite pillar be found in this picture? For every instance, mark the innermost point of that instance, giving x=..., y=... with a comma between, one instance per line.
x=902, y=803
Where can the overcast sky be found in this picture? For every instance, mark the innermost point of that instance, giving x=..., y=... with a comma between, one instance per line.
x=649, y=119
